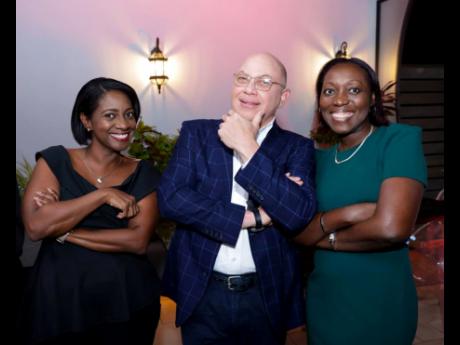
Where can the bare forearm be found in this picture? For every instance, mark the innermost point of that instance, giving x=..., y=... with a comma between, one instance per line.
x=325, y=223
x=110, y=240
x=133, y=239
x=312, y=234
x=56, y=218
x=370, y=234
x=368, y=226
x=346, y=243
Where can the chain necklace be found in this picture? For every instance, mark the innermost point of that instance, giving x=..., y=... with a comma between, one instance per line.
x=355, y=151
x=100, y=178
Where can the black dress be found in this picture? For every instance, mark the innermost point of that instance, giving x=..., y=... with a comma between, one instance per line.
x=71, y=288
x=19, y=274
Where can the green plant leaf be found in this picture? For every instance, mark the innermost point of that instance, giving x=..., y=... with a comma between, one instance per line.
x=23, y=172
x=150, y=144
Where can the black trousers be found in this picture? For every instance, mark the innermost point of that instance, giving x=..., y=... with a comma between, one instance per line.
x=226, y=317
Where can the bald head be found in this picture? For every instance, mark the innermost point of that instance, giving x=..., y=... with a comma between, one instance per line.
x=249, y=99
x=267, y=64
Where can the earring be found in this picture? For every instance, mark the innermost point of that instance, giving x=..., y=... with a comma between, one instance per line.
x=88, y=129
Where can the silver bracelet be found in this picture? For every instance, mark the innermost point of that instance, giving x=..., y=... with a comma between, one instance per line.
x=332, y=240
x=61, y=239
x=321, y=222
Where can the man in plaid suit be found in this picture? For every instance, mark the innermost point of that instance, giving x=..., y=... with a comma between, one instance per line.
x=231, y=267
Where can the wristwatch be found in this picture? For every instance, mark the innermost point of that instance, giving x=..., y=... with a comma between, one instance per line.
x=259, y=226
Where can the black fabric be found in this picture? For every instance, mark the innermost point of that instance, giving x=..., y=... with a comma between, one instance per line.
x=258, y=218
x=71, y=288
x=252, y=204
x=19, y=225
x=19, y=270
x=140, y=330
x=253, y=207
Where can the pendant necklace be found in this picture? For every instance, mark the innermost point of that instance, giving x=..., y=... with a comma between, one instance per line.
x=355, y=151
x=100, y=178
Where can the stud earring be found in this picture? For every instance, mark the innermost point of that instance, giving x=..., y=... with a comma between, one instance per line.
x=88, y=129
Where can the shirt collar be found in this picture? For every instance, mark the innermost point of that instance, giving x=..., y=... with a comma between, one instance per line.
x=262, y=133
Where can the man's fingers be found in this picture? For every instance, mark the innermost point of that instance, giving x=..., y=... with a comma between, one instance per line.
x=257, y=120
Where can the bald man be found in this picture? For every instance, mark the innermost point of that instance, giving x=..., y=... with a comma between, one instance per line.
x=231, y=267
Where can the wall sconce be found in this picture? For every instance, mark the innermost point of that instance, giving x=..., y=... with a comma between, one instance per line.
x=342, y=52
x=158, y=60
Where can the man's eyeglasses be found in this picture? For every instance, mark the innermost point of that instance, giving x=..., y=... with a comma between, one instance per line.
x=260, y=83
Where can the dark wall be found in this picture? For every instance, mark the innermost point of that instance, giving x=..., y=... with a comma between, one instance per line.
x=423, y=43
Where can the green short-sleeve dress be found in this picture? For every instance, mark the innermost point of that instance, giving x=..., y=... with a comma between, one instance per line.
x=364, y=298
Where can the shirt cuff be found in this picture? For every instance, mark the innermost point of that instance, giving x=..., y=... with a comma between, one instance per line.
x=247, y=162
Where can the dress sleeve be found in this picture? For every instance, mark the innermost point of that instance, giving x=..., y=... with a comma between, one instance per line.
x=403, y=156
x=147, y=180
x=54, y=157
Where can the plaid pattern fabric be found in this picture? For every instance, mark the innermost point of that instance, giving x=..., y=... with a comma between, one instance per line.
x=195, y=191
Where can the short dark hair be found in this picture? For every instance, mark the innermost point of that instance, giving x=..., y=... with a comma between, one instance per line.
x=376, y=114
x=88, y=100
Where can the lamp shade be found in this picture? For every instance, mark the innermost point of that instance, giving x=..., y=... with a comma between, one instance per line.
x=342, y=52
x=157, y=60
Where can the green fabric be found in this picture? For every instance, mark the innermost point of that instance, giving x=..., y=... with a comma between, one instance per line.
x=364, y=298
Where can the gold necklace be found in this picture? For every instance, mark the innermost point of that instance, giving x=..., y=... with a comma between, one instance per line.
x=355, y=151
x=100, y=178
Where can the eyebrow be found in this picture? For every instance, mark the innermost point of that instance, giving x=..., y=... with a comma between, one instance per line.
x=116, y=109
x=257, y=76
x=349, y=81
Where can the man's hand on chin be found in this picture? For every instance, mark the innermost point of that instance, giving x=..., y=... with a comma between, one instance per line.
x=239, y=133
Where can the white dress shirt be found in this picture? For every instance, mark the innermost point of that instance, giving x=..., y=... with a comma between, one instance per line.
x=238, y=259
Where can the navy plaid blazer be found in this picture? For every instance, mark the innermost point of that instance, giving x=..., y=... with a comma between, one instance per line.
x=195, y=191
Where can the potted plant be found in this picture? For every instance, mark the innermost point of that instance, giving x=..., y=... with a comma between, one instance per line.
x=150, y=144
x=23, y=173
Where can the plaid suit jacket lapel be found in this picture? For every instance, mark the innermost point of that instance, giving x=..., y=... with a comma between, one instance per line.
x=271, y=146
x=228, y=162
x=226, y=168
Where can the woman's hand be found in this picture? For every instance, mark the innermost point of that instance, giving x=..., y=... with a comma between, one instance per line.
x=123, y=201
x=47, y=196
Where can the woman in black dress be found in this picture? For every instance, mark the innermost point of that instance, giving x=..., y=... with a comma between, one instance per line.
x=95, y=210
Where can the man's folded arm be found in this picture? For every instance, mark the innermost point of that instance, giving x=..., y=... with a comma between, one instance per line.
x=288, y=204
x=180, y=201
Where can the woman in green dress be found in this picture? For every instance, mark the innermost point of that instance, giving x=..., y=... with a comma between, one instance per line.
x=369, y=189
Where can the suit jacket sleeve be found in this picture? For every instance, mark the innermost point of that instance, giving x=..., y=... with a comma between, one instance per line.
x=179, y=199
x=289, y=205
